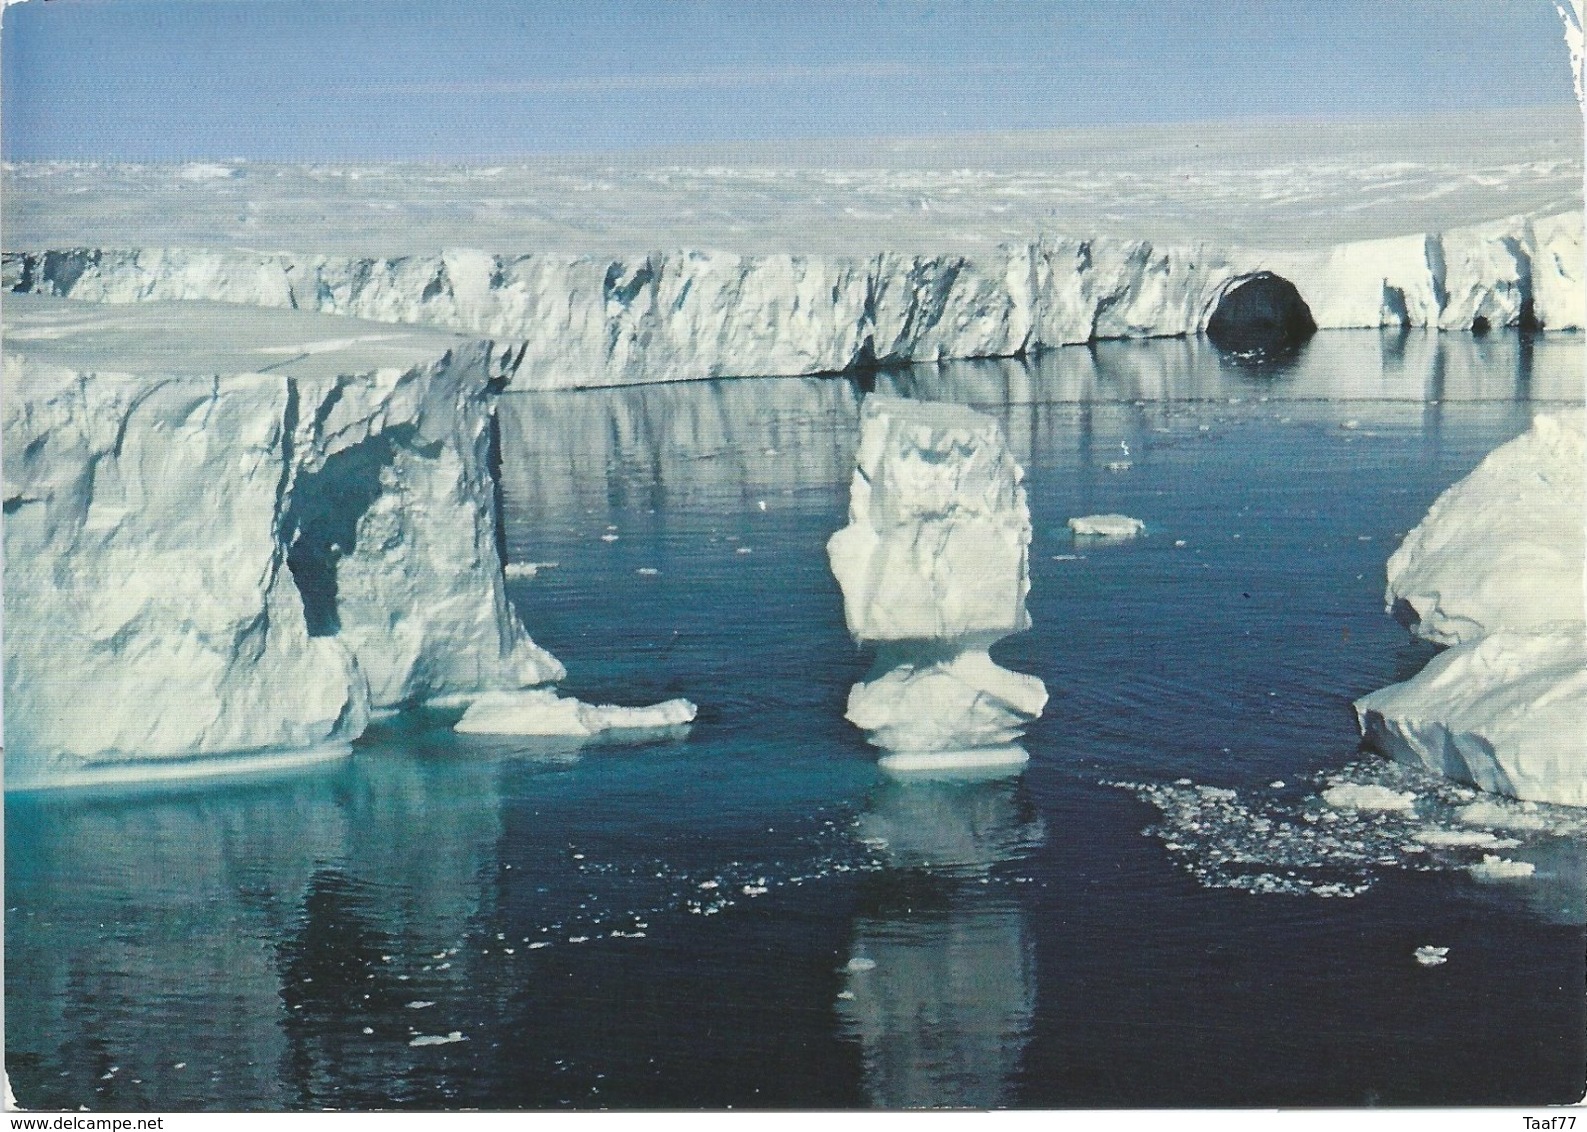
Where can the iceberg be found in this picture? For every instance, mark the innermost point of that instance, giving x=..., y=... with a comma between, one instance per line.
x=934, y=569
x=236, y=531
x=1495, y=572
x=1504, y=547
x=1502, y=713
x=544, y=713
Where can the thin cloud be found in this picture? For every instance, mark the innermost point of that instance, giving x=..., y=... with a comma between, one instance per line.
x=714, y=79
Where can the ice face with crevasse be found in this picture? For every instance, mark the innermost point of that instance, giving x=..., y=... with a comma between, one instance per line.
x=934, y=568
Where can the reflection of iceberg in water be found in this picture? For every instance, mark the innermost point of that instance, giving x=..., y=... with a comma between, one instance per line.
x=757, y=438
x=252, y=934
x=941, y=984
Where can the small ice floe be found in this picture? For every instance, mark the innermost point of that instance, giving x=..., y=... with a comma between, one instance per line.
x=541, y=712
x=647, y=571
x=1355, y=796
x=1500, y=815
x=1068, y=557
x=539, y=944
x=1429, y=956
x=438, y=1039
x=1180, y=542
x=1351, y=424
x=418, y=1004
x=860, y=963
x=845, y=994
x=1106, y=526
x=1276, y=784
x=369, y=1029
x=609, y=536
x=1494, y=867
x=745, y=550
x=761, y=503
x=1119, y=465
x=578, y=939
x=517, y=570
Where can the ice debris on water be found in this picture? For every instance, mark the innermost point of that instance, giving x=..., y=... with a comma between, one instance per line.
x=1430, y=956
x=1494, y=867
x=1324, y=843
x=860, y=963
x=1106, y=526
x=438, y=1039
x=1351, y=796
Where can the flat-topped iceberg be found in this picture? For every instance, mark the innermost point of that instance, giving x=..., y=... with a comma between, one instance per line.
x=238, y=531
x=542, y=712
x=1495, y=571
x=934, y=568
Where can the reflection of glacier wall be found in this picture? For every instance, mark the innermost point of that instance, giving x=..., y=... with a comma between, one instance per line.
x=201, y=564
x=580, y=322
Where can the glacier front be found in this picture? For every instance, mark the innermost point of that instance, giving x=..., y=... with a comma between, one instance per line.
x=231, y=530
x=934, y=568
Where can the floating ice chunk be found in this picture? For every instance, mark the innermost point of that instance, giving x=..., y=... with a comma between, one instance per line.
x=521, y=569
x=540, y=711
x=418, y=1004
x=1354, y=796
x=1106, y=526
x=438, y=1039
x=859, y=963
x=609, y=537
x=1118, y=465
x=647, y=571
x=205, y=171
x=1494, y=867
x=1497, y=815
x=1429, y=956
x=1351, y=424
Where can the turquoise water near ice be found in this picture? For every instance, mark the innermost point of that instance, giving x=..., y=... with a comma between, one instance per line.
x=755, y=915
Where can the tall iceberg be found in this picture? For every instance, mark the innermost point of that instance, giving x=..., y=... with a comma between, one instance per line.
x=231, y=531
x=1495, y=571
x=934, y=567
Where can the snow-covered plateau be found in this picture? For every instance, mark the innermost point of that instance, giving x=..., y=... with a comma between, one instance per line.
x=231, y=530
x=935, y=567
x=1495, y=571
x=676, y=267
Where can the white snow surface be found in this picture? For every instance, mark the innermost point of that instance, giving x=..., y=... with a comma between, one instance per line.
x=643, y=271
x=934, y=566
x=1496, y=571
x=1106, y=526
x=182, y=583
x=542, y=712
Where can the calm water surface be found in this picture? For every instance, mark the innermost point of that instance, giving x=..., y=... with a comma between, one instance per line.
x=754, y=915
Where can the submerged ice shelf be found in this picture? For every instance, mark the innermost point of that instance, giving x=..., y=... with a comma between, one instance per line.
x=934, y=567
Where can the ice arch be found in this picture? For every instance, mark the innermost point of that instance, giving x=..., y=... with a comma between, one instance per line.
x=1261, y=313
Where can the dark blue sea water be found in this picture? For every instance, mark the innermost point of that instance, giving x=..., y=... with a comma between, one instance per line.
x=755, y=915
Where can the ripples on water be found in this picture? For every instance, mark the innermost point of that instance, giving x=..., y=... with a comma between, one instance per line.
x=755, y=915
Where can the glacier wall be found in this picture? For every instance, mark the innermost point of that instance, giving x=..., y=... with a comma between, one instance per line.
x=586, y=322
x=206, y=565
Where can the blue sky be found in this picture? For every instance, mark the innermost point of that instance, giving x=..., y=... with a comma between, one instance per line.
x=457, y=79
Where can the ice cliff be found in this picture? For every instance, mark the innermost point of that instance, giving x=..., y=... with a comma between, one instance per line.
x=666, y=316
x=934, y=569
x=1495, y=571
x=231, y=531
